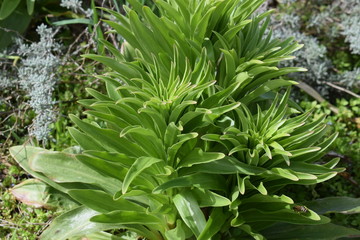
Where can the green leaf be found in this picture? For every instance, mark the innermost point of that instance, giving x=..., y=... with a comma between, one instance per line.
x=30, y=6
x=108, y=139
x=114, y=51
x=264, y=88
x=127, y=217
x=198, y=156
x=190, y=212
x=96, y=94
x=104, y=167
x=14, y=24
x=97, y=28
x=218, y=111
x=180, y=232
x=73, y=21
x=38, y=194
x=302, y=151
x=214, y=224
x=225, y=166
x=121, y=68
x=146, y=139
x=303, y=232
x=241, y=183
x=7, y=7
x=74, y=223
x=138, y=167
x=103, y=202
x=207, y=198
x=117, y=158
x=65, y=168
x=83, y=140
x=182, y=140
x=285, y=173
x=283, y=215
x=22, y=154
x=103, y=236
x=344, y=205
x=171, y=134
x=206, y=181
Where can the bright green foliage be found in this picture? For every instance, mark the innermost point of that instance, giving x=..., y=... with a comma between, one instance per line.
x=191, y=142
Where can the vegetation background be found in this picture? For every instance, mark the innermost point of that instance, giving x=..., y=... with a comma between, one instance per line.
x=42, y=76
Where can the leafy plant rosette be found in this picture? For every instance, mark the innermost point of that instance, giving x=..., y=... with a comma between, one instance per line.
x=191, y=140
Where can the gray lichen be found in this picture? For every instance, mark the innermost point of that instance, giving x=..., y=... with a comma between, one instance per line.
x=37, y=77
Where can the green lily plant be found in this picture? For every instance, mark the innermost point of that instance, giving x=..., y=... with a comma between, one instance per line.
x=194, y=137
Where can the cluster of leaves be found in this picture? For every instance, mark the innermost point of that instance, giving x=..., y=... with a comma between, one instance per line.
x=190, y=139
x=347, y=147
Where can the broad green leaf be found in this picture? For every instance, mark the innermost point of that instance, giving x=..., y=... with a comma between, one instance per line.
x=38, y=194
x=225, y=166
x=159, y=27
x=198, y=156
x=104, y=236
x=178, y=109
x=109, y=139
x=104, y=167
x=65, y=168
x=22, y=155
x=311, y=168
x=180, y=232
x=127, y=217
x=329, y=231
x=144, y=35
x=117, y=158
x=7, y=7
x=285, y=174
x=14, y=24
x=208, y=198
x=137, y=168
x=247, y=228
x=83, y=140
x=214, y=224
x=202, y=180
x=103, y=202
x=284, y=215
x=182, y=140
x=146, y=139
x=111, y=119
x=264, y=88
x=74, y=223
x=344, y=205
x=190, y=212
x=257, y=198
x=32, y=192
x=171, y=134
x=219, y=97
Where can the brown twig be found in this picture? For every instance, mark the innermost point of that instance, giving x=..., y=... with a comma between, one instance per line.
x=313, y=93
x=8, y=112
x=342, y=89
